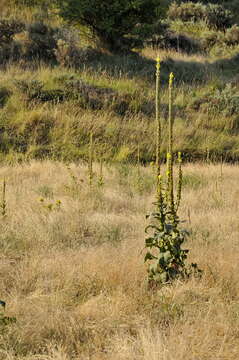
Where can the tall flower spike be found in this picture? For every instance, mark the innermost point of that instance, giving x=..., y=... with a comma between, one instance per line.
x=170, y=148
x=171, y=78
x=157, y=119
x=158, y=65
x=160, y=198
x=138, y=161
x=180, y=179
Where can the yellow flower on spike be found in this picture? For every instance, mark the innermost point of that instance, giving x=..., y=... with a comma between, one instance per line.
x=158, y=64
x=179, y=157
x=171, y=78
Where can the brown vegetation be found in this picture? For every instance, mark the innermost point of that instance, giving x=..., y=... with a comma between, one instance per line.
x=73, y=275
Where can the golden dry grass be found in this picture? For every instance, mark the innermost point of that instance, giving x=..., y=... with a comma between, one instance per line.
x=74, y=278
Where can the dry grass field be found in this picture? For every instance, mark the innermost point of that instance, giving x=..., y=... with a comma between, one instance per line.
x=72, y=272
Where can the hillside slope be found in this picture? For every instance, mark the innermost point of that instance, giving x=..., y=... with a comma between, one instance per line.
x=55, y=91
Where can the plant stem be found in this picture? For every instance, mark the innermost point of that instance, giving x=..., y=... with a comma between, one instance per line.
x=138, y=160
x=90, y=164
x=101, y=179
x=4, y=203
x=170, y=148
x=158, y=122
x=180, y=179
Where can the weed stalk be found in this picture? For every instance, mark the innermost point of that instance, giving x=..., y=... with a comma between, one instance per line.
x=167, y=259
x=158, y=120
x=4, y=201
x=101, y=176
x=90, y=159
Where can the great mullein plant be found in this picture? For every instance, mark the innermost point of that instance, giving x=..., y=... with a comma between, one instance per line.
x=167, y=259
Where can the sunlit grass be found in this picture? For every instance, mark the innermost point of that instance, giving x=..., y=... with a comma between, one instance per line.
x=74, y=277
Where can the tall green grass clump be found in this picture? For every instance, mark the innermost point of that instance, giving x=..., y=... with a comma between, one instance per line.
x=166, y=257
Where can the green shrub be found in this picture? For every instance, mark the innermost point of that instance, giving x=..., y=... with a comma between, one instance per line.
x=29, y=88
x=216, y=41
x=209, y=39
x=43, y=42
x=67, y=54
x=221, y=100
x=10, y=50
x=215, y=16
x=9, y=28
x=71, y=56
x=4, y=95
x=179, y=42
x=96, y=98
x=54, y=95
x=232, y=35
x=119, y=26
x=89, y=96
x=40, y=43
x=218, y=18
x=187, y=11
x=36, y=128
x=39, y=152
x=32, y=91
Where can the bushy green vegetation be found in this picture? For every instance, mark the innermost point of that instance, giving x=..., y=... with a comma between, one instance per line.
x=118, y=25
x=212, y=25
x=57, y=87
x=216, y=17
